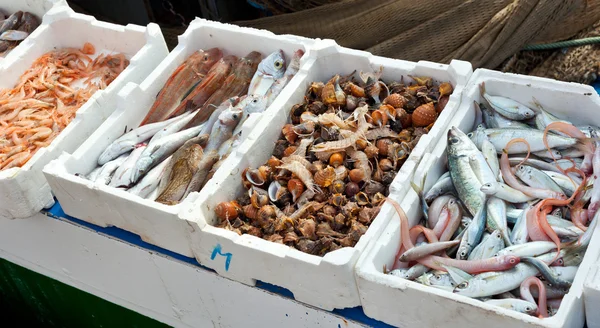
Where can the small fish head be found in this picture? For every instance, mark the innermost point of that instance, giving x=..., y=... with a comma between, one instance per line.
x=489, y=188
x=510, y=260
x=231, y=117
x=274, y=64
x=529, y=308
x=256, y=104
x=523, y=169
x=463, y=252
x=141, y=167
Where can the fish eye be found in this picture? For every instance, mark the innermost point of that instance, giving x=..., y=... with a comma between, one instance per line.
x=488, y=185
x=205, y=57
x=454, y=140
x=255, y=100
x=463, y=285
x=278, y=64
x=235, y=116
x=528, y=308
x=452, y=202
x=463, y=253
x=512, y=261
x=470, y=134
x=437, y=276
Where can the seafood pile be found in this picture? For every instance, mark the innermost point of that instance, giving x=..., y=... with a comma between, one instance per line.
x=47, y=97
x=516, y=210
x=15, y=28
x=194, y=124
x=333, y=164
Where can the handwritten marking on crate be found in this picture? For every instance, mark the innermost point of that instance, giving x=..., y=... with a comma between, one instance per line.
x=217, y=250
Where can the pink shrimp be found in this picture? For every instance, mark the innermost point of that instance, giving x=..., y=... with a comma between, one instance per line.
x=525, y=291
x=16, y=160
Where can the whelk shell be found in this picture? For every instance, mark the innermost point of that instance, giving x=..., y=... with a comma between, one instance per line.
x=424, y=115
x=325, y=177
x=288, y=133
x=404, y=118
x=250, y=212
x=355, y=90
x=296, y=188
x=336, y=159
x=341, y=173
x=256, y=177
x=228, y=210
x=362, y=199
x=395, y=100
x=351, y=189
x=445, y=89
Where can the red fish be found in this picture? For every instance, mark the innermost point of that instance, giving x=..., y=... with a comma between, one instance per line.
x=236, y=84
x=213, y=81
x=189, y=73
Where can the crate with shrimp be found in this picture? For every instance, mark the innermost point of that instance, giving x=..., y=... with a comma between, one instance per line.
x=186, y=115
x=19, y=19
x=481, y=240
x=273, y=231
x=50, y=107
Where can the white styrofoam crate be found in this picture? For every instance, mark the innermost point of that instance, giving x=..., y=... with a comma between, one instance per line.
x=102, y=205
x=24, y=191
x=37, y=7
x=406, y=303
x=591, y=296
x=326, y=282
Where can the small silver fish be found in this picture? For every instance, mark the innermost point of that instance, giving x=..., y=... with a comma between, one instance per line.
x=109, y=168
x=122, y=176
x=507, y=107
x=174, y=127
x=290, y=72
x=269, y=70
x=150, y=181
x=515, y=304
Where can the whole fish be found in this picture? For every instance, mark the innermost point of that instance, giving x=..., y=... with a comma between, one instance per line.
x=515, y=304
x=493, y=283
x=507, y=107
x=182, y=168
x=163, y=148
x=268, y=71
x=494, y=120
x=438, y=279
x=12, y=22
x=536, y=178
x=221, y=132
x=122, y=176
x=255, y=105
x=489, y=246
x=236, y=84
x=532, y=248
x=127, y=142
x=150, y=181
x=29, y=22
x=109, y=168
x=174, y=127
x=290, y=72
x=465, y=181
x=442, y=186
x=411, y=273
x=505, y=192
x=546, y=272
x=473, y=234
x=500, y=137
x=420, y=251
x=189, y=73
x=519, y=234
x=496, y=218
x=201, y=92
x=227, y=104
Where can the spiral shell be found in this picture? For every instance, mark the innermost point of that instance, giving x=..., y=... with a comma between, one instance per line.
x=371, y=151
x=289, y=151
x=337, y=187
x=328, y=96
x=266, y=213
x=395, y=100
x=308, y=117
x=336, y=159
x=442, y=102
x=404, y=118
x=259, y=198
x=373, y=187
x=355, y=90
x=274, y=162
x=315, y=89
x=356, y=175
x=325, y=177
x=379, y=118
x=329, y=210
x=351, y=103
x=386, y=165
x=383, y=146
x=250, y=212
x=256, y=177
x=389, y=110
x=362, y=199
x=361, y=144
x=338, y=200
x=307, y=127
x=405, y=135
x=445, y=89
x=424, y=115
x=228, y=210
x=341, y=173
x=296, y=188
x=288, y=133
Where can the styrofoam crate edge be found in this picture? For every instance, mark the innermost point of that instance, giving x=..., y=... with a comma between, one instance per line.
x=377, y=289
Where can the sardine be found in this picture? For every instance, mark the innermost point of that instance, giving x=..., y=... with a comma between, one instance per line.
x=122, y=176
x=163, y=148
x=493, y=120
x=505, y=192
x=182, y=168
x=150, y=181
x=496, y=218
x=109, y=168
x=532, y=248
x=465, y=181
x=507, y=107
x=189, y=73
x=493, y=283
x=127, y=142
x=515, y=304
x=536, y=178
x=290, y=72
x=566, y=185
x=418, y=252
x=412, y=273
x=488, y=246
x=473, y=234
x=269, y=70
x=535, y=138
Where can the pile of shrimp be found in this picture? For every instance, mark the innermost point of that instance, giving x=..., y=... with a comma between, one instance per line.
x=47, y=97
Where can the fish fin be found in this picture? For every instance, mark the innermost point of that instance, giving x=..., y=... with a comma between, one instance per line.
x=459, y=276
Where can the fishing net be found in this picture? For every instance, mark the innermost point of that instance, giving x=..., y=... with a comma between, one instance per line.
x=482, y=32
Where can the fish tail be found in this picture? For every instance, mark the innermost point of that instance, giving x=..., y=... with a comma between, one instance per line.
x=482, y=88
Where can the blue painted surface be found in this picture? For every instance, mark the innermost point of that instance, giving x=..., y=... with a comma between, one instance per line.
x=354, y=314
x=217, y=251
x=596, y=86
